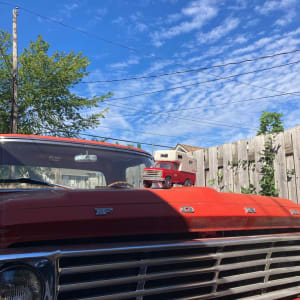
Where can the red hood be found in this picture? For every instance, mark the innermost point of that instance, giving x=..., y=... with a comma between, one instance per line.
x=62, y=214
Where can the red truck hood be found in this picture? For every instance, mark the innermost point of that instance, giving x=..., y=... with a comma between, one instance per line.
x=29, y=216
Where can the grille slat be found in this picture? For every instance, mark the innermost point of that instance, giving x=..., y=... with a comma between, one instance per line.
x=206, y=269
x=90, y=268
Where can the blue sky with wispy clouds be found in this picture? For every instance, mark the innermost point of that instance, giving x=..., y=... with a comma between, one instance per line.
x=167, y=36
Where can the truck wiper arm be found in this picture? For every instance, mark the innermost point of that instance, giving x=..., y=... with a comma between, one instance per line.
x=30, y=181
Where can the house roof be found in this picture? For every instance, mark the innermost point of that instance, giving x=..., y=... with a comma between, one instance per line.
x=189, y=148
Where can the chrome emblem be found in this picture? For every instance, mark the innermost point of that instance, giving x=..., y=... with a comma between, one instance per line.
x=294, y=211
x=103, y=211
x=187, y=209
x=250, y=210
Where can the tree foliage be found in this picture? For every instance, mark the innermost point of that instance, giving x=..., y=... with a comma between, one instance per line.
x=47, y=102
x=270, y=122
x=267, y=181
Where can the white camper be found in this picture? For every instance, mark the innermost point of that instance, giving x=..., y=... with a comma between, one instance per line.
x=186, y=161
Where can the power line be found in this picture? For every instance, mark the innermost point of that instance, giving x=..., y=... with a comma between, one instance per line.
x=72, y=27
x=206, y=122
x=126, y=141
x=173, y=136
x=136, y=50
x=202, y=82
x=192, y=70
x=202, y=106
x=115, y=139
x=131, y=48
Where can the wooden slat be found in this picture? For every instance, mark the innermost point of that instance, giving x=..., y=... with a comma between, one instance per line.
x=235, y=169
x=242, y=153
x=200, y=177
x=296, y=149
x=213, y=167
x=227, y=167
x=290, y=166
x=291, y=183
x=251, y=167
x=280, y=172
x=243, y=175
x=259, y=143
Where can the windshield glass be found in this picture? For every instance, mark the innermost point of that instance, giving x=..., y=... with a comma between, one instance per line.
x=68, y=166
x=163, y=165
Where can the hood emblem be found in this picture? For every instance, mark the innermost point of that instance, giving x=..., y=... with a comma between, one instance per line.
x=187, y=209
x=103, y=211
x=294, y=211
x=250, y=210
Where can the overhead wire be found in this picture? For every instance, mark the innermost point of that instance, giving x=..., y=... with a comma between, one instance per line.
x=204, y=82
x=123, y=140
x=201, y=106
x=150, y=133
x=136, y=50
x=192, y=70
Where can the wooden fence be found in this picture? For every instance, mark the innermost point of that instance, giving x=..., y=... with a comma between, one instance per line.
x=234, y=165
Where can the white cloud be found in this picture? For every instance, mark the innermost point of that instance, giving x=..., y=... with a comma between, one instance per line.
x=141, y=27
x=279, y=5
x=68, y=9
x=241, y=39
x=100, y=13
x=197, y=13
x=124, y=64
x=272, y=5
x=286, y=19
x=219, y=31
x=119, y=20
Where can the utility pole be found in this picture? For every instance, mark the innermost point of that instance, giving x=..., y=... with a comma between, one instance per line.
x=152, y=148
x=14, y=100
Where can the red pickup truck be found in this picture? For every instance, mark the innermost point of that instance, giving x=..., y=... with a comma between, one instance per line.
x=167, y=172
x=76, y=224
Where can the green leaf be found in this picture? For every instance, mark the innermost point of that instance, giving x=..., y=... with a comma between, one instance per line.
x=47, y=102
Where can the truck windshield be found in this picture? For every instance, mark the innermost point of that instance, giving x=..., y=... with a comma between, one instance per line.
x=163, y=165
x=34, y=165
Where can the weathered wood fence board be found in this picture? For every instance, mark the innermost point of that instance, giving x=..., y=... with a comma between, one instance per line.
x=242, y=156
x=296, y=150
x=230, y=167
x=280, y=170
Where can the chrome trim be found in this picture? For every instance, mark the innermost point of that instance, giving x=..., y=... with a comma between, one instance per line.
x=187, y=209
x=280, y=248
x=250, y=210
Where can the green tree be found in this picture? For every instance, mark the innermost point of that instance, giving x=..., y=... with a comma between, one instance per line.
x=47, y=102
x=270, y=122
x=267, y=181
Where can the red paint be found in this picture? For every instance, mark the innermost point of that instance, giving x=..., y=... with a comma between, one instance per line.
x=41, y=215
x=60, y=214
x=177, y=177
x=67, y=140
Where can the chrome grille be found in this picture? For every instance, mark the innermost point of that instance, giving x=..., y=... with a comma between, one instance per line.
x=261, y=267
x=152, y=174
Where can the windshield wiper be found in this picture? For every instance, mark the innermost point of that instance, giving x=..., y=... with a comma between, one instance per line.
x=31, y=181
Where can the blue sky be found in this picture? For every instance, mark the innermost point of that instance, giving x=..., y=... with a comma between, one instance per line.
x=168, y=36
